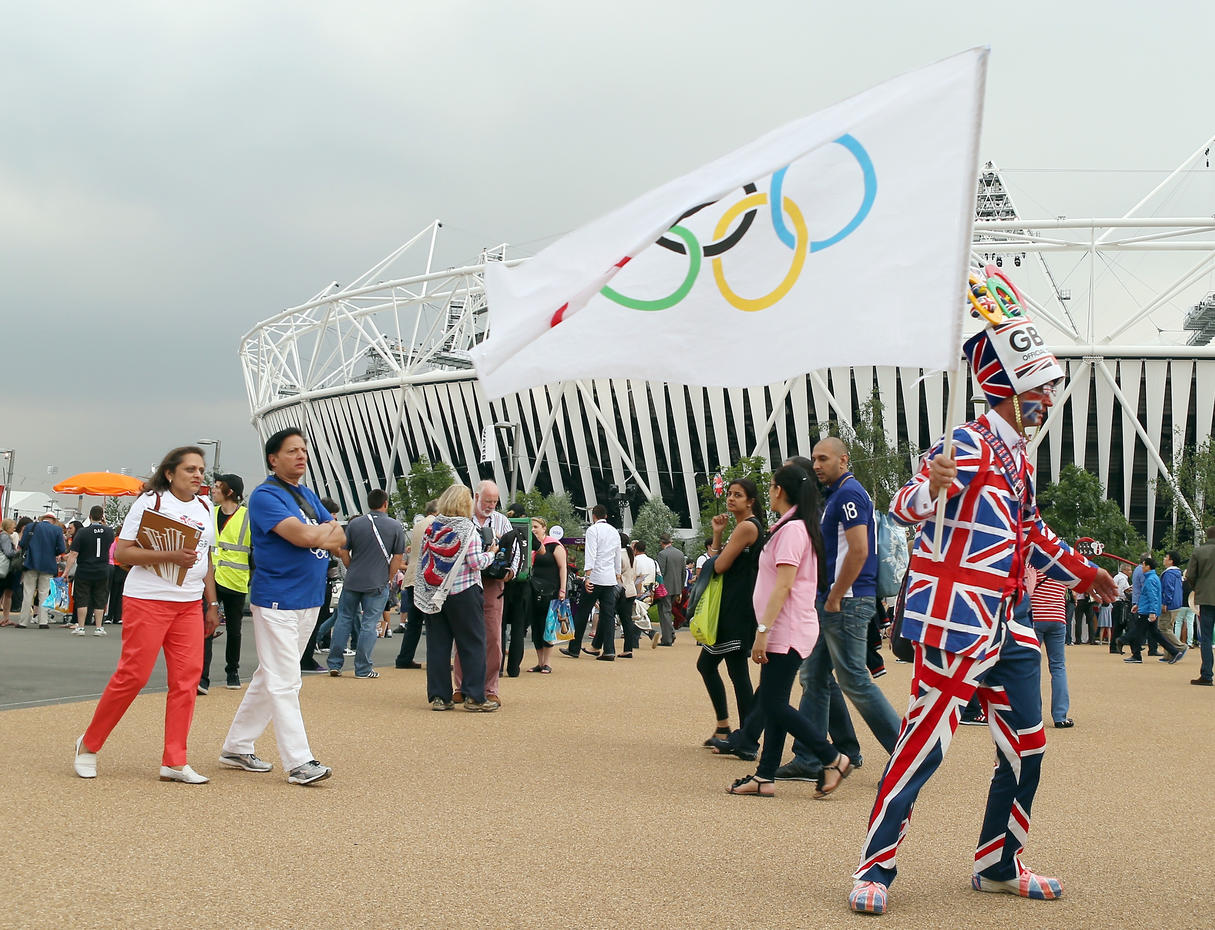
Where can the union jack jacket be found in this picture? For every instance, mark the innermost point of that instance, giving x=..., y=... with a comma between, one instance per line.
x=954, y=604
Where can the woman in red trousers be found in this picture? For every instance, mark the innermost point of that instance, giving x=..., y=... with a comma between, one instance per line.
x=159, y=613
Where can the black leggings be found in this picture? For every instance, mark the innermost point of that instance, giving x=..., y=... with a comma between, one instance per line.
x=740, y=676
x=775, y=682
x=234, y=610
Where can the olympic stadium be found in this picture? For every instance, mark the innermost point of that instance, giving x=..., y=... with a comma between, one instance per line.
x=378, y=372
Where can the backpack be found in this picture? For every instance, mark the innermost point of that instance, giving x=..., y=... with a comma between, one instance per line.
x=504, y=557
x=893, y=556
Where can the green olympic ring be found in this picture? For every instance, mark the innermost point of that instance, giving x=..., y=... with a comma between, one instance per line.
x=662, y=303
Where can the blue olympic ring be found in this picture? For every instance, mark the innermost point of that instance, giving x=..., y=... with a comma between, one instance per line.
x=786, y=235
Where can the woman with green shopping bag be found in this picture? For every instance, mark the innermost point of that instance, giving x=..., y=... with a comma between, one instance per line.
x=735, y=565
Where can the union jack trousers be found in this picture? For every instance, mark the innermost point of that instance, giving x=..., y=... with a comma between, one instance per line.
x=1007, y=680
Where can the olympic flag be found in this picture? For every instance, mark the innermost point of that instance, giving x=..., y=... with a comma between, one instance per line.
x=840, y=239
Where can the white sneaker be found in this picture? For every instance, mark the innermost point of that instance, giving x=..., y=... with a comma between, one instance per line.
x=185, y=774
x=79, y=631
x=85, y=763
x=308, y=773
x=97, y=632
x=347, y=653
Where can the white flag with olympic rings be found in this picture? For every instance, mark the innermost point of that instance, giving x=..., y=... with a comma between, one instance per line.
x=840, y=239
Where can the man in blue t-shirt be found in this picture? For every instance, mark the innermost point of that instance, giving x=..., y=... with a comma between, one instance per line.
x=847, y=606
x=293, y=535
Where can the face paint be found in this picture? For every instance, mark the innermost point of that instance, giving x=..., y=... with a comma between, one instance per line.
x=1033, y=411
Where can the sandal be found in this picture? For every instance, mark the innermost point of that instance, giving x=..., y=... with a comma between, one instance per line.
x=752, y=786
x=844, y=766
x=719, y=734
x=536, y=668
x=546, y=670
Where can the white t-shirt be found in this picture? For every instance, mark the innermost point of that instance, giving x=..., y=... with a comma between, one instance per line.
x=1121, y=584
x=647, y=572
x=143, y=582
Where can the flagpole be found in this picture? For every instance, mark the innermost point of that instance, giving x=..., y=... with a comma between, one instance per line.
x=953, y=418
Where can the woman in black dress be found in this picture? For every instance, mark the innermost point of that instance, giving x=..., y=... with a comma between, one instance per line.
x=547, y=583
x=736, y=562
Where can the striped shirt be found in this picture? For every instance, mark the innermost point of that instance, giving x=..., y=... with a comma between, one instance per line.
x=1047, y=601
x=469, y=572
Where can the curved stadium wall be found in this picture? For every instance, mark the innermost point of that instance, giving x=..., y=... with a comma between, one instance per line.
x=365, y=435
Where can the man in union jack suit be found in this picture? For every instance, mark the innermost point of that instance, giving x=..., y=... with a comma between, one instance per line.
x=967, y=615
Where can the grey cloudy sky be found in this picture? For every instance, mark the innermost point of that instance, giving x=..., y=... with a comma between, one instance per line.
x=170, y=174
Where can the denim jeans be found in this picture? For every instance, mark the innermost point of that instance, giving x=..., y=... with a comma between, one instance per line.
x=843, y=641
x=780, y=719
x=1051, y=635
x=360, y=610
x=1206, y=627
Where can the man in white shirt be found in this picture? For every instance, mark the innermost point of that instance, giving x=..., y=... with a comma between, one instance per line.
x=602, y=565
x=1120, y=608
x=646, y=570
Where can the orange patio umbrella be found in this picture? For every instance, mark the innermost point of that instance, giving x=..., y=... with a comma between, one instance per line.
x=100, y=484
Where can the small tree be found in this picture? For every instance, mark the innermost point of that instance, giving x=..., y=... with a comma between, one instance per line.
x=880, y=467
x=425, y=482
x=116, y=510
x=654, y=518
x=1195, y=474
x=1075, y=506
x=556, y=509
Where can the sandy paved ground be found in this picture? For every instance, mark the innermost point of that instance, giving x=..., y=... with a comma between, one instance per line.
x=587, y=801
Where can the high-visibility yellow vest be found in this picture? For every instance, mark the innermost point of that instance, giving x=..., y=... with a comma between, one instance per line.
x=231, y=553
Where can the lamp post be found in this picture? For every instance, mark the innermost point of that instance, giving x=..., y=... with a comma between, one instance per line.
x=516, y=436
x=216, y=443
x=7, y=498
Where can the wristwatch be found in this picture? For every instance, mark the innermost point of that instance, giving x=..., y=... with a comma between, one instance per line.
x=761, y=628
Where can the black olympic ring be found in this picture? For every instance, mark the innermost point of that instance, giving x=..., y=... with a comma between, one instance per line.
x=714, y=248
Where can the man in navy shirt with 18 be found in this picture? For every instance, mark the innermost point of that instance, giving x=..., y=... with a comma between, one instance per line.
x=850, y=601
x=293, y=535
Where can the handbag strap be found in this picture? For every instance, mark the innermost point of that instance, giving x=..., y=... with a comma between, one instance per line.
x=379, y=539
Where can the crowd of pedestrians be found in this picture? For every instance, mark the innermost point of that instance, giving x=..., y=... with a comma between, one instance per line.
x=798, y=599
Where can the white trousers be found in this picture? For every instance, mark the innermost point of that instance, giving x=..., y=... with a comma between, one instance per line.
x=273, y=694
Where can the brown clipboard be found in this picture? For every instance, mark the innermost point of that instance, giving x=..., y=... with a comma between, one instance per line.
x=162, y=533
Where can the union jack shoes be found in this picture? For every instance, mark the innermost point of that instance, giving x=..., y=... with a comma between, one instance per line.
x=1025, y=885
x=868, y=898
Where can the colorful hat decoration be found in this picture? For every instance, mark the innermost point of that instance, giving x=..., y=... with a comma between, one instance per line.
x=1007, y=356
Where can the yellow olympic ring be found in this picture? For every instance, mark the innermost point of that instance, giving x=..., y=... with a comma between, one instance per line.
x=986, y=308
x=799, y=254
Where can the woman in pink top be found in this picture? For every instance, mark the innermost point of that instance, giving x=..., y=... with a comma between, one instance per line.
x=790, y=574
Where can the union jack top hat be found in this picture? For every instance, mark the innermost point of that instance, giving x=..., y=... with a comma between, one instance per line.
x=1010, y=358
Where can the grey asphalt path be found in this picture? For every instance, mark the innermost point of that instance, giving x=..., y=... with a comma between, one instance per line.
x=51, y=666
